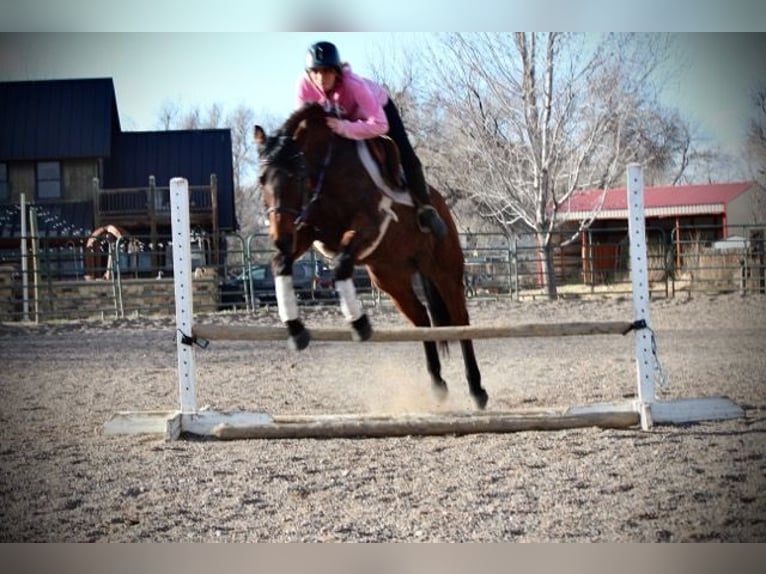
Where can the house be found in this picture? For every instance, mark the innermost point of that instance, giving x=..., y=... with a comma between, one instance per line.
x=62, y=146
x=676, y=216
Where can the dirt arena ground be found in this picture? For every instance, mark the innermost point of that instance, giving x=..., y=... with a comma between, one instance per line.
x=63, y=480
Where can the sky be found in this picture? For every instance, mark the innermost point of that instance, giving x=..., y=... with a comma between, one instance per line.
x=190, y=69
x=259, y=70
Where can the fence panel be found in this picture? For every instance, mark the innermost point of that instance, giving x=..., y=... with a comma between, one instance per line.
x=67, y=279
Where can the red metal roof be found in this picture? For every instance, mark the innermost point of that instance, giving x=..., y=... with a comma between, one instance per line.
x=709, y=198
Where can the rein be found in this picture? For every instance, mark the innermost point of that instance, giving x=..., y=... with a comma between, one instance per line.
x=314, y=194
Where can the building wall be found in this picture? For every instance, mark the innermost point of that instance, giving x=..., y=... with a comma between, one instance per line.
x=76, y=179
x=21, y=179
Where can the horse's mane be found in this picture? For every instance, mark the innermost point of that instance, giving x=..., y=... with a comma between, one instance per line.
x=282, y=148
x=312, y=113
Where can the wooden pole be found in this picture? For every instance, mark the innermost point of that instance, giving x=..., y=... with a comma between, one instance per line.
x=646, y=364
x=256, y=333
x=24, y=259
x=214, y=209
x=153, y=199
x=182, y=281
x=369, y=426
x=33, y=231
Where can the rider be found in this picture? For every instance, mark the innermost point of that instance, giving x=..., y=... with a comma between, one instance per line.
x=364, y=111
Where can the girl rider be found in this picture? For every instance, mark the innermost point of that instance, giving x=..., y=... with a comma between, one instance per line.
x=364, y=111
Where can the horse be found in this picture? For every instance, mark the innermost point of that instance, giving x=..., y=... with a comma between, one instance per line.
x=317, y=191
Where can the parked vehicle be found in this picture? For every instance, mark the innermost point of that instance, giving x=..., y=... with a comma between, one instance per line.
x=258, y=287
x=324, y=284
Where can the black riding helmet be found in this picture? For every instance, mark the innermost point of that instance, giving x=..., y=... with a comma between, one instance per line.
x=323, y=55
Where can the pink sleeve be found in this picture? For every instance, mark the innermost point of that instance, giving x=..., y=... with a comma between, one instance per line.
x=371, y=120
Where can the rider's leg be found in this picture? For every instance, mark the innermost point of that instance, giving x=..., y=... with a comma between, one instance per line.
x=428, y=218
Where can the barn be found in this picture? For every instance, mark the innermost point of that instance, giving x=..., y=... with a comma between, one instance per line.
x=676, y=218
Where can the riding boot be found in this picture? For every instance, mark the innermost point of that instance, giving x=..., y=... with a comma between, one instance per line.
x=429, y=221
x=428, y=218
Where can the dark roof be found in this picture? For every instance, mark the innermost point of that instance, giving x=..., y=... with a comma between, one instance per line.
x=662, y=200
x=57, y=119
x=192, y=154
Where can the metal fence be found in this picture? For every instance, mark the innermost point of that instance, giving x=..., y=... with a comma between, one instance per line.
x=65, y=278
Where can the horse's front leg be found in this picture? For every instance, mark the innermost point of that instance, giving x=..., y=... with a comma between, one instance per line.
x=287, y=302
x=350, y=305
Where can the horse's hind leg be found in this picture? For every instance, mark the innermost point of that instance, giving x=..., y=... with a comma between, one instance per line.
x=434, y=366
x=449, y=308
x=406, y=301
x=472, y=374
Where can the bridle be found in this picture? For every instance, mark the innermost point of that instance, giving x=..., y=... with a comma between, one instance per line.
x=298, y=166
x=278, y=208
x=294, y=163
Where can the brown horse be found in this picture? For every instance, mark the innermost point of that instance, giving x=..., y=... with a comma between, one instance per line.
x=316, y=190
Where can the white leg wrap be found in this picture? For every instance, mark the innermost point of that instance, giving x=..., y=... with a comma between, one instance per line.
x=350, y=306
x=286, y=301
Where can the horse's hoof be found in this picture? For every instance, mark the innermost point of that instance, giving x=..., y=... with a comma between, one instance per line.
x=481, y=399
x=299, y=339
x=362, y=330
x=298, y=336
x=440, y=391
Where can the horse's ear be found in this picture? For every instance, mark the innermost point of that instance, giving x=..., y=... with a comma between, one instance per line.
x=259, y=135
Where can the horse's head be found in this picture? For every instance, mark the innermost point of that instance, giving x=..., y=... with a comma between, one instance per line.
x=283, y=180
x=286, y=167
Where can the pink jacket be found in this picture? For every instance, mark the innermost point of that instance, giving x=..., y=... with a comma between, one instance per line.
x=359, y=100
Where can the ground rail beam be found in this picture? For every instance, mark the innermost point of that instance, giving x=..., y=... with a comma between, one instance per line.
x=378, y=426
x=265, y=333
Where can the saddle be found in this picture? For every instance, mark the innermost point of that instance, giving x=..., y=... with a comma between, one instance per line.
x=385, y=153
x=380, y=157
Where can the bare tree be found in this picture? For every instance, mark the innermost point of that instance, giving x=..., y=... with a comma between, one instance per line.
x=399, y=68
x=244, y=158
x=528, y=119
x=756, y=138
x=244, y=162
x=168, y=115
x=755, y=151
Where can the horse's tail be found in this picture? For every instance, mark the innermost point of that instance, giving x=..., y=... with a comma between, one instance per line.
x=439, y=313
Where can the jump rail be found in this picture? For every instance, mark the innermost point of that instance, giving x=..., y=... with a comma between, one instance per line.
x=401, y=335
x=646, y=409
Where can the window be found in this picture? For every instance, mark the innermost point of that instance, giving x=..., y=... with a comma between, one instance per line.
x=48, y=180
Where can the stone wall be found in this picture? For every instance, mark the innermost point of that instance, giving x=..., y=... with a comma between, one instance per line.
x=97, y=299
x=10, y=289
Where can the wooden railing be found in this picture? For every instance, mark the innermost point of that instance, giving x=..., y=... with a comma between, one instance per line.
x=150, y=205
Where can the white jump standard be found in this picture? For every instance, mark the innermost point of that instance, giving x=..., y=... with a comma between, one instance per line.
x=646, y=410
